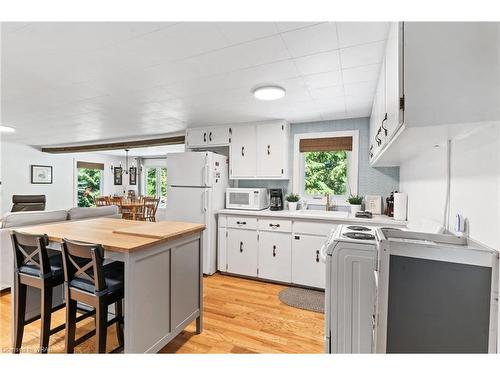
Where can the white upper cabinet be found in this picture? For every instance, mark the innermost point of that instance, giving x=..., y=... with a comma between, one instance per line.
x=196, y=137
x=218, y=136
x=208, y=137
x=259, y=151
x=272, y=146
x=439, y=74
x=393, y=80
x=243, y=156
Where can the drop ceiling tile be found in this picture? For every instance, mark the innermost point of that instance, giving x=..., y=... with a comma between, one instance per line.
x=323, y=79
x=361, y=74
x=312, y=39
x=238, y=32
x=360, y=89
x=318, y=63
x=355, y=33
x=265, y=51
x=359, y=104
x=327, y=92
x=365, y=54
x=288, y=26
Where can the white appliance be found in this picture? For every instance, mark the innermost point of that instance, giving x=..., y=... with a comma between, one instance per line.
x=350, y=254
x=195, y=192
x=400, y=206
x=247, y=198
x=437, y=293
x=373, y=203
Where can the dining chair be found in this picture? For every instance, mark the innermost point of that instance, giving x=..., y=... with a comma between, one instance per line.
x=88, y=280
x=38, y=267
x=150, y=208
x=102, y=201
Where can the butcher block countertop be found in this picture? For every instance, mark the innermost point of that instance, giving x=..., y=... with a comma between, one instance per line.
x=117, y=235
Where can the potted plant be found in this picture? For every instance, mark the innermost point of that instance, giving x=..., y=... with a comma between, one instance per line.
x=292, y=200
x=355, y=202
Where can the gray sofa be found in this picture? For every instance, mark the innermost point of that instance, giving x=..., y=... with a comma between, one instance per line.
x=15, y=220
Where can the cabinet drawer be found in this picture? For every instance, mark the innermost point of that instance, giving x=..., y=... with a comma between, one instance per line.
x=242, y=222
x=313, y=227
x=275, y=225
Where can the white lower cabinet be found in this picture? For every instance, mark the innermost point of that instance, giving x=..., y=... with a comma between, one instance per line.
x=275, y=256
x=307, y=267
x=242, y=251
x=268, y=248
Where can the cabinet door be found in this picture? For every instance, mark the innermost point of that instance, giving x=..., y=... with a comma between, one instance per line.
x=196, y=137
x=275, y=256
x=307, y=267
x=242, y=156
x=393, y=78
x=218, y=136
x=374, y=134
x=242, y=252
x=271, y=146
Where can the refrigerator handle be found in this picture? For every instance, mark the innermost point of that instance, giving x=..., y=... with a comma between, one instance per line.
x=205, y=198
x=206, y=170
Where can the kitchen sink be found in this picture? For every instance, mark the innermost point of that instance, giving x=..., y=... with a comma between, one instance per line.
x=339, y=214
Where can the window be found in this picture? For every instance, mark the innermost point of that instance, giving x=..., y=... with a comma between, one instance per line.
x=89, y=186
x=326, y=163
x=156, y=183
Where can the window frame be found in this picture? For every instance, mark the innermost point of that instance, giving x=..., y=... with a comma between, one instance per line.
x=157, y=184
x=298, y=181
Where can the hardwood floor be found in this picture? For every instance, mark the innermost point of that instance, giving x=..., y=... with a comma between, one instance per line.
x=240, y=316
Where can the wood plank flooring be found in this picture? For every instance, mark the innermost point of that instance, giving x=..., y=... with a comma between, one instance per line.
x=240, y=316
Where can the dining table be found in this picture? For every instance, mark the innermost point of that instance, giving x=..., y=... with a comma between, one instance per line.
x=163, y=273
x=133, y=208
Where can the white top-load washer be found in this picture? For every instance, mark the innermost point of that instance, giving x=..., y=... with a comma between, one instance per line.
x=350, y=254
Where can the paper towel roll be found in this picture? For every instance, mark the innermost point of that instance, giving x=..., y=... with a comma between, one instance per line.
x=400, y=204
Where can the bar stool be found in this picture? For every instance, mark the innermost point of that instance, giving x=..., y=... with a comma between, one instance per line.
x=88, y=280
x=35, y=267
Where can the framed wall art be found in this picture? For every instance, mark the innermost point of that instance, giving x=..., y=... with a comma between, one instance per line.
x=41, y=174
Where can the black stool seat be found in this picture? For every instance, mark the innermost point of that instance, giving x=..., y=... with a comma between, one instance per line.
x=96, y=283
x=56, y=268
x=113, y=276
x=37, y=267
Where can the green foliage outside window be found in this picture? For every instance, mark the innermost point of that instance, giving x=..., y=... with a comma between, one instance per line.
x=152, y=185
x=326, y=172
x=89, y=183
x=151, y=182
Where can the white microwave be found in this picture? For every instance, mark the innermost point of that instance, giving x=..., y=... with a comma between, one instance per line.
x=247, y=199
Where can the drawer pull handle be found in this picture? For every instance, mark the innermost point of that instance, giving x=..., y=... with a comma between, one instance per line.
x=242, y=150
x=241, y=222
x=210, y=136
x=317, y=256
x=269, y=149
x=204, y=137
x=274, y=225
x=274, y=250
x=297, y=237
x=241, y=247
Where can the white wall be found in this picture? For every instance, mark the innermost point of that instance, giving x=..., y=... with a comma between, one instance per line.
x=474, y=184
x=15, y=162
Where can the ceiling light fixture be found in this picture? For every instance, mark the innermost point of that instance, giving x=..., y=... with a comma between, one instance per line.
x=269, y=92
x=6, y=129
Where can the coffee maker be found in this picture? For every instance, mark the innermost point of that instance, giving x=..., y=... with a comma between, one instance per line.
x=276, y=199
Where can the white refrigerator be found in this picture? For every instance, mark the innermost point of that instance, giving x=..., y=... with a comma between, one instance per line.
x=196, y=184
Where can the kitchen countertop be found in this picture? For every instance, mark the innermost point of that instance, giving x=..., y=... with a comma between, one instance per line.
x=116, y=235
x=338, y=216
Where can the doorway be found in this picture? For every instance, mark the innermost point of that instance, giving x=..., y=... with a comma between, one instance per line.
x=89, y=186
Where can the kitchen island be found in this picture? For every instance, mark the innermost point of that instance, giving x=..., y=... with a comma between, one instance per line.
x=163, y=273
